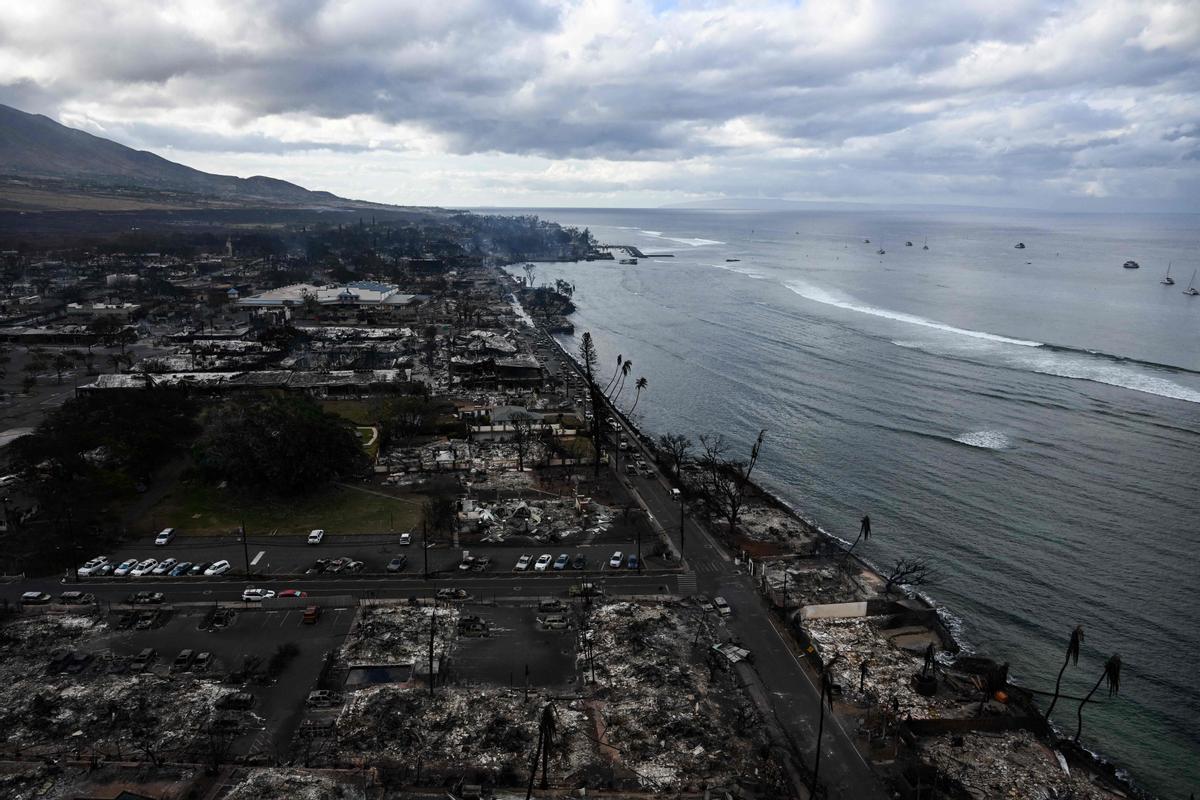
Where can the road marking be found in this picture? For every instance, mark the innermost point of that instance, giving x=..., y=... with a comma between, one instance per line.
x=261, y=553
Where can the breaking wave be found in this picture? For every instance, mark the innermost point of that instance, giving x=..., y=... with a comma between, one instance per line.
x=749, y=273
x=681, y=240
x=1046, y=359
x=988, y=440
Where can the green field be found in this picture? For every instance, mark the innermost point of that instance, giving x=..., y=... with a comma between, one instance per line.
x=194, y=507
x=360, y=412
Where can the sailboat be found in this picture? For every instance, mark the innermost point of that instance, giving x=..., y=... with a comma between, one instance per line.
x=1167, y=279
x=1191, y=290
x=925, y=245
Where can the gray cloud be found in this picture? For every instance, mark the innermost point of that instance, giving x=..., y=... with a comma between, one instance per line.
x=1043, y=101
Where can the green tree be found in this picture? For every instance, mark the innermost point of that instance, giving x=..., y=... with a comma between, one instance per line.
x=284, y=444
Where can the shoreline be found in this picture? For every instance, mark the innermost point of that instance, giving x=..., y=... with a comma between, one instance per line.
x=951, y=623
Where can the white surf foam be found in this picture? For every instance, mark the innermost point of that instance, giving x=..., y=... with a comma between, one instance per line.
x=1015, y=353
x=680, y=240
x=822, y=296
x=988, y=440
x=749, y=273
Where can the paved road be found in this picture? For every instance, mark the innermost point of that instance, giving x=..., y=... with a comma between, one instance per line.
x=795, y=697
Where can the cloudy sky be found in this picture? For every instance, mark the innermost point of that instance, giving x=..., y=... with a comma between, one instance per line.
x=635, y=102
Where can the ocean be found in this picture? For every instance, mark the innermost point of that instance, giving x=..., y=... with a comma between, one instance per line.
x=1027, y=419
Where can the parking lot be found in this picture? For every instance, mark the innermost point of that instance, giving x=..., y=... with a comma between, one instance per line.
x=515, y=641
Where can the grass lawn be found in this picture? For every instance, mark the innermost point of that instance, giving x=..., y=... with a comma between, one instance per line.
x=360, y=412
x=195, y=507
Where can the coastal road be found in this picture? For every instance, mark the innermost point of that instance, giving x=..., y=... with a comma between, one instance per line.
x=793, y=693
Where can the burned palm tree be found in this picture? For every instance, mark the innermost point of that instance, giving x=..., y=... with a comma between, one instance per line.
x=864, y=533
x=547, y=728
x=1111, y=674
x=1072, y=656
x=625, y=368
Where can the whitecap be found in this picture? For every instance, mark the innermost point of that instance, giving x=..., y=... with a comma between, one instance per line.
x=988, y=440
x=691, y=242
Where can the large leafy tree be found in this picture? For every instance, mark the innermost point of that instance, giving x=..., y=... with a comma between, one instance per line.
x=282, y=443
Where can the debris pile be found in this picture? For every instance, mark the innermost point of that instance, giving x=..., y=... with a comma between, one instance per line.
x=289, y=784
x=400, y=635
x=485, y=727
x=804, y=584
x=848, y=643
x=542, y=520
x=674, y=716
x=1010, y=764
x=769, y=524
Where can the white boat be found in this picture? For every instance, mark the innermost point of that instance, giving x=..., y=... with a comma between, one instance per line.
x=1191, y=290
x=1167, y=279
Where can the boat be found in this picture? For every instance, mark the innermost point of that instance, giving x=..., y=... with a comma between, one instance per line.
x=1019, y=246
x=908, y=244
x=1167, y=279
x=731, y=260
x=880, y=251
x=627, y=261
x=925, y=245
x=866, y=241
x=1191, y=290
x=1131, y=264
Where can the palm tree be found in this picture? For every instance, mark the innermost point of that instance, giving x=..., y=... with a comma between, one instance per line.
x=1112, y=674
x=548, y=725
x=625, y=368
x=1072, y=655
x=616, y=369
x=639, y=384
x=864, y=533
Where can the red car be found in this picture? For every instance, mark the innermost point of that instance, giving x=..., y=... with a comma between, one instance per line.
x=292, y=593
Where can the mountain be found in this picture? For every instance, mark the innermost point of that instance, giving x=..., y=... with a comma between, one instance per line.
x=45, y=165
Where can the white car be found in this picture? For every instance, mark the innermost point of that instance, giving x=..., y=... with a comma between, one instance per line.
x=218, y=568
x=164, y=566
x=316, y=536
x=406, y=538
x=164, y=536
x=92, y=566
x=254, y=595
x=722, y=607
x=523, y=563
x=144, y=567
x=616, y=560
x=543, y=562
x=125, y=567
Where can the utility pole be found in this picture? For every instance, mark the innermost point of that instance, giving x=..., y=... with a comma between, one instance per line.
x=639, y=530
x=425, y=546
x=432, y=628
x=245, y=550
x=681, y=520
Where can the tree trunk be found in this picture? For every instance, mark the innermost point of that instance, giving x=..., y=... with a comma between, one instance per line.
x=1082, y=703
x=1057, y=684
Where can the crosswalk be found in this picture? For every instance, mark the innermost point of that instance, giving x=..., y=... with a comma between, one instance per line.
x=686, y=584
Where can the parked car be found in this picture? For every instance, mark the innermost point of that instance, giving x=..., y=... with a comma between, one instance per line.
x=315, y=536
x=397, y=564
x=183, y=661
x=722, y=607
x=165, y=566
x=90, y=567
x=337, y=565
x=164, y=537
x=523, y=562
x=199, y=568
x=323, y=698
x=218, y=568
x=142, y=661
x=103, y=570
x=293, y=593
x=676, y=495
x=251, y=595
x=144, y=567
x=617, y=558
x=579, y=562
x=543, y=561
x=318, y=566
x=180, y=569
x=704, y=603
x=146, y=598
x=405, y=539
x=201, y=663
x=76, y=598
x=311, y=615
x=355, y=566
x=561, y=562
x=585, y=590
x=125, y=567
x=35, y=598
x=481, y=563
x=555, y=622
x=453, y=595
x=632, y=561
